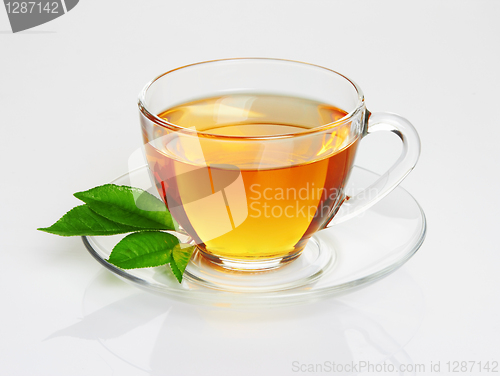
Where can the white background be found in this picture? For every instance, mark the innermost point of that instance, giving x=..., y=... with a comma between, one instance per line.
x=68, y=122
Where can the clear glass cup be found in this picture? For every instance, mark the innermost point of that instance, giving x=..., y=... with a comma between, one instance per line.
x=252, y=156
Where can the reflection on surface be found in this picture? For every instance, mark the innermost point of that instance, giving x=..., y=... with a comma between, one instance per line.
x=166, y=337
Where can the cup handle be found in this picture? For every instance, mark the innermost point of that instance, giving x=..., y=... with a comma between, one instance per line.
x=379, y=122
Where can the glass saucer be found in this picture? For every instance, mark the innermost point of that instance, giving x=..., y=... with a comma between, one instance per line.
x=337, y=259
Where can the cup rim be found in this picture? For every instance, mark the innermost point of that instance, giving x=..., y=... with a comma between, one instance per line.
x=174, y=127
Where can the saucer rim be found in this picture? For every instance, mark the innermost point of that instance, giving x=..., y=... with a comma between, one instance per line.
x=205, y=294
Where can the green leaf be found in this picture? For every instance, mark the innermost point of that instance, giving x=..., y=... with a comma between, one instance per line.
x=143, y=250
x=81, y=221
x=181, y=254
x=128, y=206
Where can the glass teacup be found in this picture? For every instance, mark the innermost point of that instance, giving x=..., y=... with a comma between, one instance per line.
x=252, y=156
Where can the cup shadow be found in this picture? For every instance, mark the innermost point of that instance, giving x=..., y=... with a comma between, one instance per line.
x=159, y=335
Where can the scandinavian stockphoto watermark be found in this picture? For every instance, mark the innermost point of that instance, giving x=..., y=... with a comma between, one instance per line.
x=306, y=201
x=367, y=367
x=226, y=193
x=25, y=15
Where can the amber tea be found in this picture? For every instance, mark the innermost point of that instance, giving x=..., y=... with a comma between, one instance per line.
x=241, y=200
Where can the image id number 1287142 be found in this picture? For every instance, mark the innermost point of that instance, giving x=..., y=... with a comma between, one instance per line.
x=32, y=7
x=472, y=366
